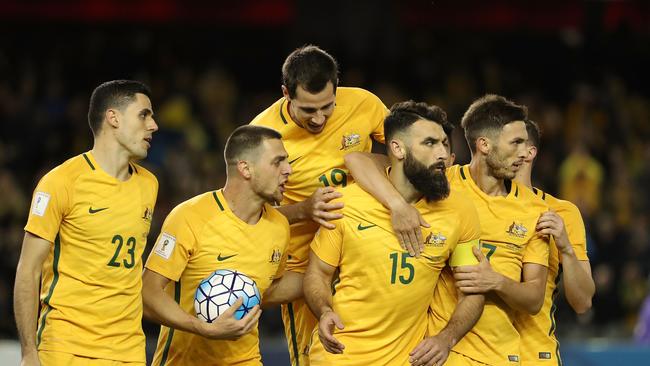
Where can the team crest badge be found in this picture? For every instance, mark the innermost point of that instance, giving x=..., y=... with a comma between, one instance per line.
x=350, y=140
x=517, y=230
x=436, y=240
x=148, y=214
x=276, y=256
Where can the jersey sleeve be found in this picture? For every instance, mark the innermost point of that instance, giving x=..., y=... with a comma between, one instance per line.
x=378, y=113
x=470, y=233
x=270, y=117
x=327, y=244
x=174, y=245
x=537, y=251
x=51, y=201
x=470, y=224
x=575, y=228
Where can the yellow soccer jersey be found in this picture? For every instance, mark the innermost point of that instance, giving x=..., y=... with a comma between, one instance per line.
x=202, y=235
x=539, y=346
x=91, y=303
x=382, y=293
x=508, y=240
x=317, y=161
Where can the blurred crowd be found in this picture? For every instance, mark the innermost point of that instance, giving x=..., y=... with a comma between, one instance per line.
x=586, y=95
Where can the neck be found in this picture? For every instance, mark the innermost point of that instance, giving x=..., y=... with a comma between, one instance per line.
x=402, y=184
x=490, y=185
x=111, y=158
x=524, y=174
x=243, y=202
x=291, y=114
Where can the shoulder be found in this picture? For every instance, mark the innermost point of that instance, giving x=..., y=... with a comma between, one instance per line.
x=356, y=95
x=460, y=201
x=196, y=209
x=67, y=172
x=562, y=207
x=358, y=203
x=354, y=193
x=145, y=174
x=528, y=197
x=275, y=216
x=271, y=116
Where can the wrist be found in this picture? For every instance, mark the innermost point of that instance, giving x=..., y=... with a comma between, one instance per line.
x=447, y=338
x=198, y=326
x=301, y=210
x=324, y=310
x=395, y=202
x=567, y=251
x=499, y=282
x=29, y=351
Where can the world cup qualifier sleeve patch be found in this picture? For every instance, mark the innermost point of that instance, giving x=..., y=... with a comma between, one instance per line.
x=165, y=245
x=41, y=199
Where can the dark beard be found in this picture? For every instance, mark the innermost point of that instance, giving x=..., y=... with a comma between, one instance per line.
x=432, y=184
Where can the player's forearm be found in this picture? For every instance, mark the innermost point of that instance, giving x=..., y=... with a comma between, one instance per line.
x=579, y=287
x=26, y=302
x=369, y=176
x=318, y=294
x=527, y=296
x=284, y=290
x=467, y=312
x=162, y=309
x=293, y=212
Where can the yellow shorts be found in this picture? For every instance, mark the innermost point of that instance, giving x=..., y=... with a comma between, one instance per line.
x=457, y=359
x=299, y=324
x=54, y=358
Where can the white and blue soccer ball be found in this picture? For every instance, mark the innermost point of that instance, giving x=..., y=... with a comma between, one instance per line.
x=220, y=290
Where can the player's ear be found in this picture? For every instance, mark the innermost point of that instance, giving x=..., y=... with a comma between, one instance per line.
x=397, y=148
x=532, y=153
x=285, y=91
x=112, y=117
x=244, y=168
x=483, y=144
x=452, y=159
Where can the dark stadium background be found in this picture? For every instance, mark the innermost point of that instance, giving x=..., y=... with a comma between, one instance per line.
x=580, y=66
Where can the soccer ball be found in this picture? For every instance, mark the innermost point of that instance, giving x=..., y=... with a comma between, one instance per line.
x=220, y=290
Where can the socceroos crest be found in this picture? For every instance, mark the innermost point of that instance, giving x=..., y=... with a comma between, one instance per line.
x=517, y=230
x=436, y=240
x=350, y=140
x=276, y=256
x=148, y=214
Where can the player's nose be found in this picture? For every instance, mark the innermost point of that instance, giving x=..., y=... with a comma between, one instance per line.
x=287, y=169
x=319, y=118
x=153, y=126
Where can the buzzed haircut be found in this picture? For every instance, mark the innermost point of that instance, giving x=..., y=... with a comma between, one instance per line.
x=311, y=68
x=534, y=133
x=245, y=140
x=402, y=115
x=112, y=94
x=487, y=116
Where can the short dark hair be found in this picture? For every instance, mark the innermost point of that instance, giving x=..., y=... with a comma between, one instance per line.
x=309, y=67
x=489, y=114
x=402, y=115
x=245, y=139
x=112, y=94
x=534, y=133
